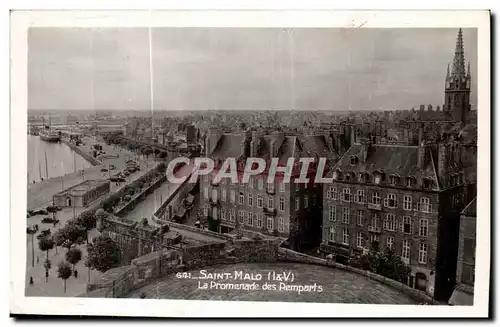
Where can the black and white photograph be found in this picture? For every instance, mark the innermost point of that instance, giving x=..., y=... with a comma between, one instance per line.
x=283, y=164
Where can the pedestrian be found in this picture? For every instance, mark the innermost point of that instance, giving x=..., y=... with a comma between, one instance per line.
x=75, y=273
x=31, y=280
x=37, y=259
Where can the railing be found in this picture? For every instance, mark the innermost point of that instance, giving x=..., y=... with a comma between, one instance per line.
x=269, y=211
x=374, y=229
x=374, y=206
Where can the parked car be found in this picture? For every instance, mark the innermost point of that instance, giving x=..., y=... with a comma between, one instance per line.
x=112, y=167
x=116, y=178
x=48, y=220
x=126, y=173
x=103, y=170
x=40, y=212
x=44, y=233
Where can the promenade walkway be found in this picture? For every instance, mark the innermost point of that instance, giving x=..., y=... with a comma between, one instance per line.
x=338, y=286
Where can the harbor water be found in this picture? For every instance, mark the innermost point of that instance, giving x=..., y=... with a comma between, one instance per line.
x=47, y=159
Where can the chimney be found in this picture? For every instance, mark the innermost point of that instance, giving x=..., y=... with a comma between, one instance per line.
x=429, y=107
x=438, y=108
x=422, y=107
x=421, y=148
x=442, y=161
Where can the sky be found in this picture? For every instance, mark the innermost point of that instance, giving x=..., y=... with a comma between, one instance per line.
x=241, y=68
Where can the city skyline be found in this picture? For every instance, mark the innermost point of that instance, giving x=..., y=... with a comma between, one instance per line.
x=188, y=61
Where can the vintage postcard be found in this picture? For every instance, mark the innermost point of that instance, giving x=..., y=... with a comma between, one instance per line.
x=250, y=163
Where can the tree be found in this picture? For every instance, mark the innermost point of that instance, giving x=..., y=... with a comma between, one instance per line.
x=47, y=265
x=46, y=244
x=103, y=254
x=73, y=256
x=72, y=233
x=64, y=272
x=88, y=221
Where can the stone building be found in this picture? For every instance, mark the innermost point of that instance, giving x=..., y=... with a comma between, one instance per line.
x=464, y=290
x=82, y=194
x=401, y=197
x=288, y=210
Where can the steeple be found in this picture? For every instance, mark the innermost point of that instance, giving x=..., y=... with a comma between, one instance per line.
x=448, y=71
x=459, y=59
x=468, y=69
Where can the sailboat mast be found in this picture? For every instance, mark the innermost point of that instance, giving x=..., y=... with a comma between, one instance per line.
x=46, y=166
x=39, y=169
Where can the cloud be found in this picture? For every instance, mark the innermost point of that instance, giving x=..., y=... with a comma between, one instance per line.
x=241, y=68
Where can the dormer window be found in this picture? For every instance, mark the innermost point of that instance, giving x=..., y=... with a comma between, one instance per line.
x=394, y=179
x=354, y=160
x=411, y=181
x=427, y=183
x=378, y=176
x=362, y=177
x=337, y=174
x=349, y=177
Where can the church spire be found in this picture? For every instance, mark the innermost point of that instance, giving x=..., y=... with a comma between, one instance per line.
x=448, y=71
x=459, y=59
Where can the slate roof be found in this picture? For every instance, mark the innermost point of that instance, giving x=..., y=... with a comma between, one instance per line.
x=391, y=159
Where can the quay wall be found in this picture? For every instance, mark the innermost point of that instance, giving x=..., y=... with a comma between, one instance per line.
x=93, y=161
x=129, y=206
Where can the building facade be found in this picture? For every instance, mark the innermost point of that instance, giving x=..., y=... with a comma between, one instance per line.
x=463, y=293
x=288, y=210
x=83, y=194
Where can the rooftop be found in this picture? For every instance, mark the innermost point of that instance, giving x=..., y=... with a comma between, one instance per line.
x=84, y=187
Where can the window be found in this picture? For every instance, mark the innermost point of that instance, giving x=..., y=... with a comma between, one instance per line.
x=251, y=182
x=359, y=240
x=306, y=201
x=242, y=198
x=362, y=177
x=260, y=183
x=332, y=234
x=407, y=226
x=346, y=194
x=374, y=242
x=390, y=222
x=374, y=222
x=270, y=202
x=205, y=192
x=424, y=205
x=361, y=198
x=270, y=223
x=329, y=193
x=422, y=253
x=332, y=213
x=335, y=194
x=233, y=196
x=394, y=180
x=282, y=204
x=345, y=236
x=410, y=181
x=282, y=186
x=260, y=219
x=249, y=219
x=260, y=201
x=223, y=195
x=232, y=215
x=297, y=203
x=281, y=224
x=407, y=202
x=250, y=199
x=378, y=178
x=314, y=199
x=345, y=215
x=390, y=242
x=270, y=187
x=424, y=227
x=223, y=214
x=391, y=201
x=214, y=195
x=405, y=254
x=354, y=160
x=360, y=217
x=214, y=213
x=376, y=197
x=205, y=211
x=427, y=183
x=241, y=217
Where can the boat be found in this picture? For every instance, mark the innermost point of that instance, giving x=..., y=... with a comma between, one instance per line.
x=49, y=135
